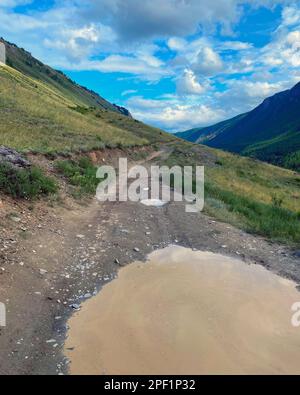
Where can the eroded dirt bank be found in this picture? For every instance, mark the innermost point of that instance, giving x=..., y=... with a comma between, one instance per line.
x=71, y=252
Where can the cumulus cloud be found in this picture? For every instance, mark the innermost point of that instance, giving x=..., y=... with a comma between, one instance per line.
x=173, y=115
x=136, y=20
x=292, y=48
x=177, y=44
x=284, y=50
x=243, y=95
x=208, y=62
x=201, y=55
x=76, y=44
x=187, y=84
x=290, y=16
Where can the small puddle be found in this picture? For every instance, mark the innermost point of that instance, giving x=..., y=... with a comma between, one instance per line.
x=153, y=202
x=187, y=312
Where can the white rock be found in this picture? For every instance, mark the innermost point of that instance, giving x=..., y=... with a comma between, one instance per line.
x=75, y=307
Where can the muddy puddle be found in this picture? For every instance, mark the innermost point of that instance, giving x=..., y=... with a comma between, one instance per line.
x=187, y=312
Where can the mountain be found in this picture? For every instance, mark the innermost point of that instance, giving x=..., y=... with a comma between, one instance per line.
x=23, y=61
x=270, y=132
x=199, y=135
x=42, y=110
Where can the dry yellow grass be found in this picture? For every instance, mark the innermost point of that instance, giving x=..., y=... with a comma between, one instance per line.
x=35, y=117
x=252, y=195
x=257, y=180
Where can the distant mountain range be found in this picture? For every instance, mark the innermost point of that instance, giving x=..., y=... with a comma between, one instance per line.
x=270, y=132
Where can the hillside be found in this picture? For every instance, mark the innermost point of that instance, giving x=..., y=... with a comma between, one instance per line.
x=41, y=110
x=38, y=117
x=199, y=135
x=270, y=132
x=24, y=62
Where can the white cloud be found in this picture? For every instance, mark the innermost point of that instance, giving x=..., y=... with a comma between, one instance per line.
x=187, y=84
x=284, y=50
x=129, y=92
x=173, y=115
x=258, y=90
x=235, y=45
x=135, y=19
x=243, y=95
x=76, y=44
x=208, y=62
x=199, y=55
x=177, y=43
x=122, y=64
x=14, y=3
x=290, y=16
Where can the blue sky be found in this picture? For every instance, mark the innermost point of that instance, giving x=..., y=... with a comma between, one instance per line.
x=176, y=64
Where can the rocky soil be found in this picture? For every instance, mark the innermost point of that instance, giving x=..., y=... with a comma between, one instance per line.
x=54, y=258
x=8, y=155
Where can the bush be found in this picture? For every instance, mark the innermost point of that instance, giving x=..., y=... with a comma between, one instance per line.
x=292, y=161
x=81, y=174
x=80, y=109
x=25, y=183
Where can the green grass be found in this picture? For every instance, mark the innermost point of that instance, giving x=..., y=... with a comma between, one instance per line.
x=254, y=196
x=80, y=174
x=25, y=183
x=36, y=117
x=268, y=220
x=292, y=161
x=24, y=62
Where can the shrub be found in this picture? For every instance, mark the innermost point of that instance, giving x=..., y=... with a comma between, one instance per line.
x=25, y=183
x=81, y=174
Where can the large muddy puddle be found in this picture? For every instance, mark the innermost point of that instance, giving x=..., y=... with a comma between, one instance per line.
x=187, y=312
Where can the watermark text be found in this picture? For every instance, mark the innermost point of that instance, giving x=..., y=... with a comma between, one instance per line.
x=157, y=183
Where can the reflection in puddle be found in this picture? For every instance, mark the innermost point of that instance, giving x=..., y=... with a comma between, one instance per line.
x=187, y=312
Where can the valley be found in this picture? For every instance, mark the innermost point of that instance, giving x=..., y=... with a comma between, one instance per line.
x=59, y=246
x=270, y=132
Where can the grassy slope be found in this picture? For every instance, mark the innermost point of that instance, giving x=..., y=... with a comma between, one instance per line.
x=260, y=198
x=278, y=150
x=22, y=61
x=37, y=117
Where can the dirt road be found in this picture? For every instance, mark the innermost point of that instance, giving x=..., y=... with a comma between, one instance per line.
x=67, y=260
